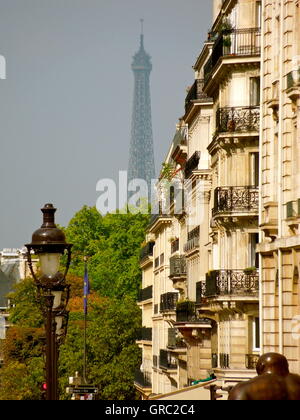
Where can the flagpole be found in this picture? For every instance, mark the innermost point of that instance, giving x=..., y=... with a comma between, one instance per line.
x=85, y=327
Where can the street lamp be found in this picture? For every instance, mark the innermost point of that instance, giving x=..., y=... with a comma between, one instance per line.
x=49, y=244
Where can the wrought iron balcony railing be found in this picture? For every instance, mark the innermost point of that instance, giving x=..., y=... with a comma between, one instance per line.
x=177, y=266
x=214, y=360
x=147, y=251
x=239, y=42
x=293, y=79
x=193, y=240
x=251, y=361
x=200, y=292
x=236, y=200
x=144, y=334
x=166, y=360
x=168, y=302
x=186, y=312
x=238, y=119
x=196, y=94
x=192, y=164
x=224, y=361
x=232, y=282
x=143, y=379
x=145, y=294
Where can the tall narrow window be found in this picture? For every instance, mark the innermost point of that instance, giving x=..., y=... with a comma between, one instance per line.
x=254, y=259
x=254, y=91
x=254, y=168
x=256, y=335
x=258, y=13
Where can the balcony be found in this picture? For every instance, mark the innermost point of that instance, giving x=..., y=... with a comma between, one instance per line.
x=159, y=215
x=146, y=252
x=251, y=361
x=238, y=119
x=237, y=43
x=238, y=283
x=200, y=292
x=186, y=311
x=167, y=361
x=177, y=267
x=236, y=200
x=293, y=79
x=168, y=302
x=193, y=240
x=144, y=334
x=143, y=379
x=196, y=94
x=145, y=294
x=192, y=164
x=293, y=84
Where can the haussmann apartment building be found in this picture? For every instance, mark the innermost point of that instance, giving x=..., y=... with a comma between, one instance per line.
x=221, y=257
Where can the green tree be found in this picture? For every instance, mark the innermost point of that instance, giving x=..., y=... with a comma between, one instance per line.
x=113, y=243
x=25, y=310
x=112, y=353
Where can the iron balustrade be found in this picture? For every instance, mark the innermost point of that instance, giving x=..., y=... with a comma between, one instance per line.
x=232, y=282
x=186, y=311
x=177, y=266
x=144, y=334
x=145, y=294
x=238, y=119
x=236, y=199
x=192, y=164
x=251, y=361
x=166, y=360
x=200, y=292
x=239, y=42
x=193, y=240
x=168, y=302
x=143, y=379
x=293, y=79
x=224, y=361
x=196, y=94
x=147, y=251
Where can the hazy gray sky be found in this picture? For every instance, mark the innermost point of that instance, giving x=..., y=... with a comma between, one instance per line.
x=65, y=108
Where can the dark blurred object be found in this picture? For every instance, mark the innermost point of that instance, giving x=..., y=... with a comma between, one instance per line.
x=273, y=383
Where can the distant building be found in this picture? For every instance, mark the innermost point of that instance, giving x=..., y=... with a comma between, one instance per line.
x=13, y=269
x=141, y=159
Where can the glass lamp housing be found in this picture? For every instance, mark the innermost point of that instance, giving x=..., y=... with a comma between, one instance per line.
x=49, y=264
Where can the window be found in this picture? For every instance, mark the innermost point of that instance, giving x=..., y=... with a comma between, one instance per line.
x=254, y=256
x=255, y=335
x=254, y=167
x=254, y=91
x=258, y=14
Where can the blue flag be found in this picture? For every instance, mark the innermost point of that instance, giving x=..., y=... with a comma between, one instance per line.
x=86, y=289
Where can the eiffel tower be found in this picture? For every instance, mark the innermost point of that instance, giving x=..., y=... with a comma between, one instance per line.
x=141, y=159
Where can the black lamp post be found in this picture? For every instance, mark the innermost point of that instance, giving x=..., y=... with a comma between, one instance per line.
x=49, y=244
